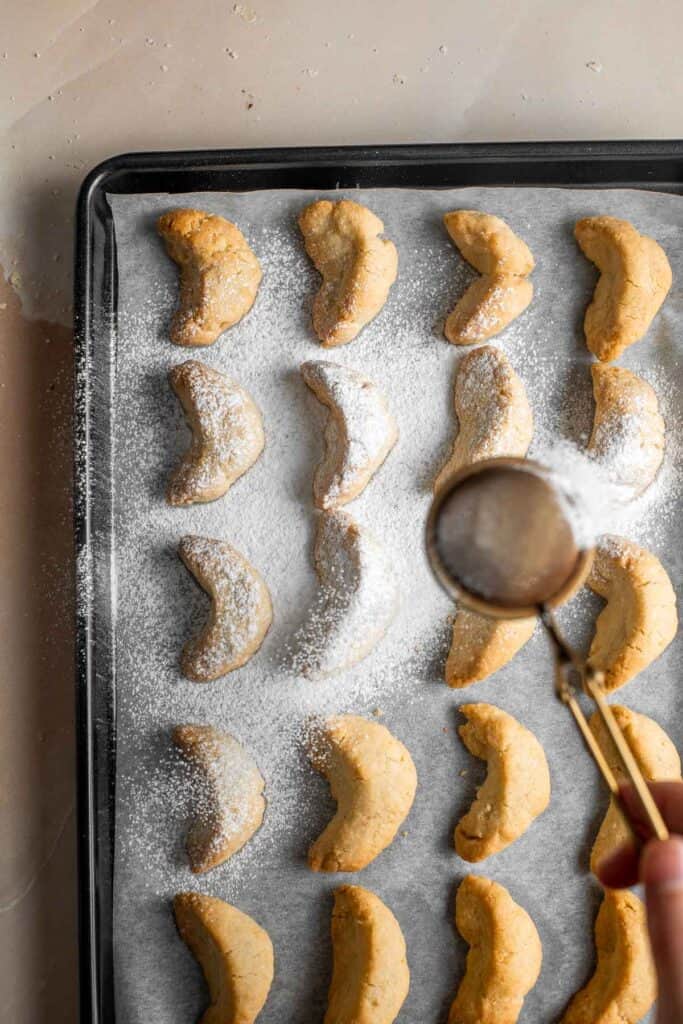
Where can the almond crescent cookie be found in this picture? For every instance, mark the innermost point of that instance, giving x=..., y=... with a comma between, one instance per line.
x=359, y=434
x=373, y=780
x=358, y=268
x=635, y=277
x=227, y=433
x=639, y=620
x=628, y=431
x=356, y=601
x=498, y=297
x=494, y=419
x=517, y=785
x=241, y=609
x=656, y=757
x=235, y=954
x=219, y=274
x=504, y=959
x=480, y=646
x=624, y=986
x=494, y=416
x=370, y=976
x=228, y=795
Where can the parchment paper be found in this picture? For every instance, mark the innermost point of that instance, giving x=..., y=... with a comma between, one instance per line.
x=268, y=516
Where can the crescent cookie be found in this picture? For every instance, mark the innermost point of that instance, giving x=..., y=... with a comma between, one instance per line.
x=241, y=609
x=227, y=433
x=228, y=795
x=656, y=757
x=493, y=411
x=235, y=954
x=504, y=959
x=496, y=298
x=370, y=976
x=624, y=986
x=639, y=620
x=356, y=601
x=628, y=430
x=635, y=277
x=480, y=646
x=517, y=785
x=373, y=780
x=357, y=266
x=359, y=434
x=219, y=274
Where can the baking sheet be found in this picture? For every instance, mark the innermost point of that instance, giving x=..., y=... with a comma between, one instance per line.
x=268, y=516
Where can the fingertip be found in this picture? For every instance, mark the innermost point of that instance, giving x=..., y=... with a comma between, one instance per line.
x=662, y=862
x=620, y=869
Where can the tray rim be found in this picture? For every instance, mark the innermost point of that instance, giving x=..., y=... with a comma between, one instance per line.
x=113, y=175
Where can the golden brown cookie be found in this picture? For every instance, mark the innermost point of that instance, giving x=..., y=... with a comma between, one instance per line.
x=504, y=959
x=624, y=986
x=656, y=757
x=359, y=434
x=357, y=266
x=373, y=780
x=517, y=785
x=639, y=620
x=635, y=277
x=241, y=609
x=480, y=646
x=235, y=954
x=494, y=416
x=228, y=803
x=628, y=430
x=219, y=274
x=356, y=601
x=370, y=976
x=496, y=298
x=227, y=433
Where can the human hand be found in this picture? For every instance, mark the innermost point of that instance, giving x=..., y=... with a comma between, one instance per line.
x=659, y=866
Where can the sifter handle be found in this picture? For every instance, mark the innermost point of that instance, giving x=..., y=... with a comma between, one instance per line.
x=592, y=683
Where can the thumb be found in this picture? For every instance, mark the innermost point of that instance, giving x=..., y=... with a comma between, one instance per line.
x=661, y=872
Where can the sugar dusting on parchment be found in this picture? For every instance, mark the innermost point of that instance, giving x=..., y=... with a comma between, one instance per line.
x=268, y=516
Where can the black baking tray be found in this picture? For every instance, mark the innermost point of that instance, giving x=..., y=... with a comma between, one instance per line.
x=643, y=165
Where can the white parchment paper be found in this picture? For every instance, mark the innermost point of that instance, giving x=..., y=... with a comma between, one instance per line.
x=268, y=516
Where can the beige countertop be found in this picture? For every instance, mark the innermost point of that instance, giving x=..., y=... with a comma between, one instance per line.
x=81, y=80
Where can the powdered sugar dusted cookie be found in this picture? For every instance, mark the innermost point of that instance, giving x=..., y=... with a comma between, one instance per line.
x=498, y=297
x=517, y=786
x=356, y=601
x=219, y=274
x=635, y=277
x=494, y=416
x=373, y=780
x=228, y=804
x=359, y=434
x=504, y=959
x=628, y=431
x=624, y=985
x=370, y=976
x=357, y=266
x=480, y=646
x=639, y=620
x=227, y=433
x=656, y=757
x=233, y=951
x=241, y=610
